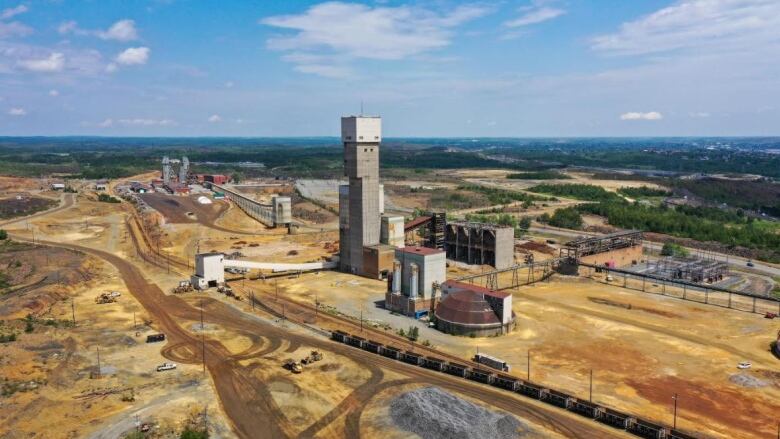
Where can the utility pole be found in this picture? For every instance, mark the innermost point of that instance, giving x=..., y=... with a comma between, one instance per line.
x=276, y=285
x=675, y=412
x=361, y=319
x=202, y=338
x=316, y=307
x=590, y=398
x=206, y=420
x=135, y=325
x=529, y=365
x=73, y=311
x=98, y=361
x=252, y=298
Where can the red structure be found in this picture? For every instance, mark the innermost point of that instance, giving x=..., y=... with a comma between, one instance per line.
x=467, y=309
x=215, y=178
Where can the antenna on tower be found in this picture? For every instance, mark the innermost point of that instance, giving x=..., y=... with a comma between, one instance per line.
x=361, y=107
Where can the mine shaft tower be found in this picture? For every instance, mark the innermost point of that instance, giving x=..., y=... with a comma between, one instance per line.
x=361, y=136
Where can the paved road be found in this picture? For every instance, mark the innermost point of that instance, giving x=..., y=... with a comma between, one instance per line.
x=736, y=261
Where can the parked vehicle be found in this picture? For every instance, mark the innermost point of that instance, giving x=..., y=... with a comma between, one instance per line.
x=750, y=263
x=770, y=315
x=166, y=366
x=744, y=365
x=155, y=338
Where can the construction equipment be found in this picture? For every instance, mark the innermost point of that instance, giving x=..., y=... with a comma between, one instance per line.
x=293, y=366
x=316, y=355
x=184, y=286
x=770, y=315
x=108, y=297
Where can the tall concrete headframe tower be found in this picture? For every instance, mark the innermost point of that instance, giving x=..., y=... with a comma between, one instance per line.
x=360, y=227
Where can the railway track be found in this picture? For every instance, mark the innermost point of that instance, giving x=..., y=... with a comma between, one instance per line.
x=247, y=401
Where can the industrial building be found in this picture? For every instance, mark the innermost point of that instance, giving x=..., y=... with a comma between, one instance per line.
x=691, y=269
x=471, y=310
x=613, y=250
x=417, y=274
x=480, y=244
x=392, y=231
x=426, y=230
x=170, y=176
x=210, y=268
x=359, y=203
x=276, y=214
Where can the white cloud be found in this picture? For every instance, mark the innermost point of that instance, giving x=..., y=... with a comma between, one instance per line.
x=214, y=118
x=67, y=27
x=64, y=60
x=106, y=123
x=122, y=30
x=14, y=29
x=54, y=92
x=53, y=63
x=324, y=70
x=133, y=56
x=651, y=115
x=11, y=12
x=716, y=24
x=534, y=15
x=335, y=33
x=146, y=122
x=17, y=112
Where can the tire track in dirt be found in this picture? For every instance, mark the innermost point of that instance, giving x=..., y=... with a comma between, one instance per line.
x=247, y=400
x=354, y=400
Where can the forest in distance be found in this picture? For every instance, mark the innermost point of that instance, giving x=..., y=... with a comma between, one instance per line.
x=735, y=212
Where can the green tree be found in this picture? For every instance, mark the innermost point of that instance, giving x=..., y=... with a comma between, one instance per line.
x=3, y=235
x=568, y=218
x=189, y=433
x=29, y=326
x=524, y=223
x=672, y=249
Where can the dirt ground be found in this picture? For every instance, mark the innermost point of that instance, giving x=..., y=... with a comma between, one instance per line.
x=642, y=347
x=53, y=389
x=23, y=205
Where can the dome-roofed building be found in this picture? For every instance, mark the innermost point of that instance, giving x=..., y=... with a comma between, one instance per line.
x=467, y=309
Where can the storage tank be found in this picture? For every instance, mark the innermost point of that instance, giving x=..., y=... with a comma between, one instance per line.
x=414, y=280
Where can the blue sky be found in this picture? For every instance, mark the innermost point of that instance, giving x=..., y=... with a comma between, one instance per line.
x=432, y=68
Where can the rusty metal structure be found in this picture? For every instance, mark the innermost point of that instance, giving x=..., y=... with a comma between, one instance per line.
x=586, y=246
x=427, y=230
x=691, y=269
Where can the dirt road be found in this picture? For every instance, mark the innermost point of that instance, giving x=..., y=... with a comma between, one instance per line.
x=68, y=200
x=247, y=401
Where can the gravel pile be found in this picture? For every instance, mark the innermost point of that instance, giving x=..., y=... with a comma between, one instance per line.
x=432, y=413
x=746, y=380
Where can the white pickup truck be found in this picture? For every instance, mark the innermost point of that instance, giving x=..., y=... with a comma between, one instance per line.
x=166, y=366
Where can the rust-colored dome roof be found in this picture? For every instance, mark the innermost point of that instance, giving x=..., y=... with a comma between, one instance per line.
x=466, y=307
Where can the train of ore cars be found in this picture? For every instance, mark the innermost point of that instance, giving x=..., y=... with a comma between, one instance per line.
x=597, y=412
